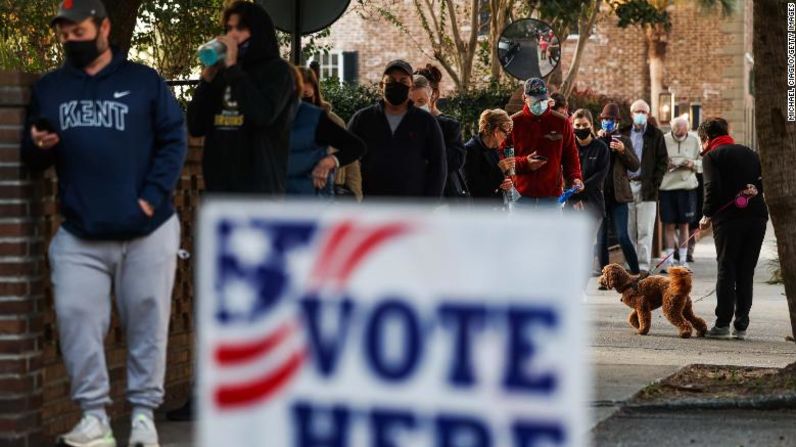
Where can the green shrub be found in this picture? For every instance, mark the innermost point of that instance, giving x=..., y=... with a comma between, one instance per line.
x=466, y=107
x=347, y=98
x=594, y=102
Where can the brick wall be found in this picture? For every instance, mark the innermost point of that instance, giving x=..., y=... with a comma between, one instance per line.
x=378, y=42
x=705, y=63
x=34, y=389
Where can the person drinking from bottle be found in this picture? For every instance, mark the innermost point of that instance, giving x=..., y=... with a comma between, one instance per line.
x=244, y=107
x=487, y=172
x=544, y=146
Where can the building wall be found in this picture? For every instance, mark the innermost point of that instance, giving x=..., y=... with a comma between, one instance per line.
x=377, y=41
x=706, y=60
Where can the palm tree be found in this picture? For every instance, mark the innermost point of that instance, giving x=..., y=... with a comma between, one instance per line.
x=776, y=136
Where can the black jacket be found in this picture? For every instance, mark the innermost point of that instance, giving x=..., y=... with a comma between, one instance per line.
x=455, y=185
x=595, y=160
x=481, y=170
x=409, y=163
x=727, y=170
x=245, y=115
x=654, y=161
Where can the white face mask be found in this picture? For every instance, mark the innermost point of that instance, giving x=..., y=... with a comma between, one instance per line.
x=425, y=107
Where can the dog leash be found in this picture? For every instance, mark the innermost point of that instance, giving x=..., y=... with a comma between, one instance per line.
x=655, y=269
x=741, y=200
x=704, y=296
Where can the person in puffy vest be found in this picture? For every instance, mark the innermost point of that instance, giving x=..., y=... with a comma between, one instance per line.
x=310, y=167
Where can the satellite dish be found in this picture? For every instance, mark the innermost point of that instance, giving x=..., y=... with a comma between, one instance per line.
x=315, y=15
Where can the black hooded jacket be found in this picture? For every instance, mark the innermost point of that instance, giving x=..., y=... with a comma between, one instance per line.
x=245, y=115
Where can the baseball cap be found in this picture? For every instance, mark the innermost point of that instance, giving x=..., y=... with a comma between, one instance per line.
x=536, y=88
x=400, y=65
x=78, y=10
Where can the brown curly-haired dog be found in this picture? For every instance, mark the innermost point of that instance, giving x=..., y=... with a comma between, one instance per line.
x=646, y=293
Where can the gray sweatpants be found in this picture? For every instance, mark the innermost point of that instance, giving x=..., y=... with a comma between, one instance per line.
x=141, y=272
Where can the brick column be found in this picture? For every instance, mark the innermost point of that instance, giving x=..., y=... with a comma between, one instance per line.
x=21, y=277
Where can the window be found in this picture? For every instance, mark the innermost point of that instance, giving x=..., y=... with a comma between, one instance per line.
x=331, y=64
x=338, y=64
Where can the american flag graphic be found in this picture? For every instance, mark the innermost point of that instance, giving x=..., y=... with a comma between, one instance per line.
x=262, y=344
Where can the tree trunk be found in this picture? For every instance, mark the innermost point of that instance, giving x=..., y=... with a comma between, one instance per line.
x=497, y=21
x=776, y=136
x=583, y=38
x=656, y=52
x=123, y=15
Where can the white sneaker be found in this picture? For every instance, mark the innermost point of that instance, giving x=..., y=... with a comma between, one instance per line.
x=143, y=433
x=89, y=432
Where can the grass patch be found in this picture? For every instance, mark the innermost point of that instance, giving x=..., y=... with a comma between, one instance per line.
x=718, y=381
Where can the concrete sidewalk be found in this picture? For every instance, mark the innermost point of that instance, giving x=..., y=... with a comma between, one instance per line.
x=625, y=362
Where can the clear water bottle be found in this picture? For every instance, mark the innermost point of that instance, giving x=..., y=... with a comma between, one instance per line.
x=508, y=152
x=211, y=53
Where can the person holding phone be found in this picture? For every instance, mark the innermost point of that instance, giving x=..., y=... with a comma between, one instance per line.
x=617, y=189
x=116, y=136
x=544, y=146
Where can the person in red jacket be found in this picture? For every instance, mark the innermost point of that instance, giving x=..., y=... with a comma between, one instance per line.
x=544, y=149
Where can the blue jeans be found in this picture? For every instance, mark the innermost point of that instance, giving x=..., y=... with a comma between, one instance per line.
x=618, y=213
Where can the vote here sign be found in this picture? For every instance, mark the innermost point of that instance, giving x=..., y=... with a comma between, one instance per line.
x=391, y=326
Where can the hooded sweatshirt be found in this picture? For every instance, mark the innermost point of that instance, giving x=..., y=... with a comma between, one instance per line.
x=245, y=115
x=122, y=138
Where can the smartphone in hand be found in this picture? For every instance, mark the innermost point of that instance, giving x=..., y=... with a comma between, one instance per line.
x=42, y=124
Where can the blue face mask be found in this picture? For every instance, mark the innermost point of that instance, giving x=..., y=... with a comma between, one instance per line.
x=639, y=119
x=608, y=125
x=539, y=107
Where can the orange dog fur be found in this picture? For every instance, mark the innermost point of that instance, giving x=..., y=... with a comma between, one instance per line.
x=646, y=293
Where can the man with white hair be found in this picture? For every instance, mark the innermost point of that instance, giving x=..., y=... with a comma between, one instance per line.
x=650, y=148
x=678, y=191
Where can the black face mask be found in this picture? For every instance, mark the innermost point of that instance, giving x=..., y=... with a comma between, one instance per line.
x=583, y=134
x=243, y=49
x=308, y=99
x=396, y=93
x=81, y=53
